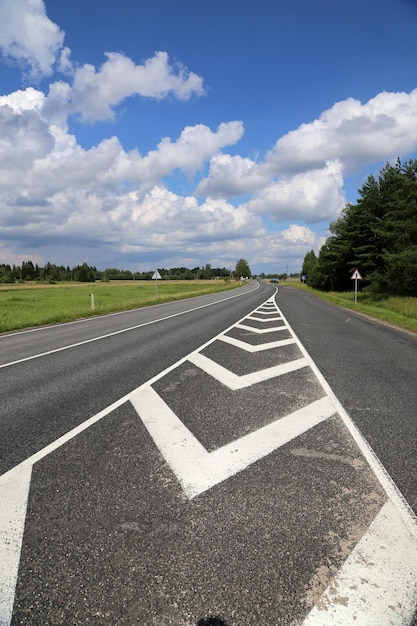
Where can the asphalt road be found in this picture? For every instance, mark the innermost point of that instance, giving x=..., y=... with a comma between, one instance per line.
x=82, y=367
x=372, y=369
x=188, y=465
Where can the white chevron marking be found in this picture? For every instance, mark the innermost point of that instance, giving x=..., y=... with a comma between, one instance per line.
x=198, y=470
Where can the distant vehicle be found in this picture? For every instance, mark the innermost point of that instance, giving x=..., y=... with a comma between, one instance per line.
x=274, y=280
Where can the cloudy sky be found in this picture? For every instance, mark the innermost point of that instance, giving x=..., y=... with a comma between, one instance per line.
x=160, y=133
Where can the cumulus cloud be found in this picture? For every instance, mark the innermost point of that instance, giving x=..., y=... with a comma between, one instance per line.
x=355, y=133
x=232, y=176
x=29, y=36
x=96, y=93
x=299, y=234
x=53, y=192
x=194, y=147
x=313, y=196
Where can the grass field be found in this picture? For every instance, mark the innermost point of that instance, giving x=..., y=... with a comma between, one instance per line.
x=398, y=311
x=34, y=304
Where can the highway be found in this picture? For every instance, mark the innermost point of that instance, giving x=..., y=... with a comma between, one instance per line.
x=239, y=459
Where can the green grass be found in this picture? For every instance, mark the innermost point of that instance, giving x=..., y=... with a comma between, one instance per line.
x=23, y=306
x=395, y=310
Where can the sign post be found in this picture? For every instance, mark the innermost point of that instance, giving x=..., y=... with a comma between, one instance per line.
x=356, y=276
x=155, y=277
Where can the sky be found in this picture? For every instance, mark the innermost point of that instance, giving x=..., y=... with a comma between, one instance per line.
x=144, y=134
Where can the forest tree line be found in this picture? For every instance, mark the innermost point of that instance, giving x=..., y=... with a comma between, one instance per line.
x=377, y=236
x=51, y=273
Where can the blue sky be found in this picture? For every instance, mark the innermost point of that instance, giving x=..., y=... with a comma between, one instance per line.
x=163, y=134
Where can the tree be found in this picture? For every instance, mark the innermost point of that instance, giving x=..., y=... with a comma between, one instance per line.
x=377, y=235
x=242, y=269
x=309, y=264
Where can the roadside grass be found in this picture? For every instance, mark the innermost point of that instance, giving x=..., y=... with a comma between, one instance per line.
x=395, y=310
x=35, y=304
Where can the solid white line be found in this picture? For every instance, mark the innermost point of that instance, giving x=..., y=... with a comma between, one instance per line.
x=378, y=469
x=93, y=318
x=259, y=348
x=387, y=605
x=377, y=584
x=118, y=332
x=14, y=488
x=13, y=497
x=198, y=470
x=233, y=381
x=31, y=460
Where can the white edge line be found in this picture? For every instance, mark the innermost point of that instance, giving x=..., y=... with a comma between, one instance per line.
x=95, y=317
x=22, y=472
x=117, y=332
x=14, y=497
x=376, y=465
x=34, y=458
x=97, y=417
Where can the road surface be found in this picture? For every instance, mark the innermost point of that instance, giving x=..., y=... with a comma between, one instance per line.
x=192, y=461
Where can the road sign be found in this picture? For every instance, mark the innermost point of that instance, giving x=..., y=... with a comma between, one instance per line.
x=156, y=276
x=356, y=276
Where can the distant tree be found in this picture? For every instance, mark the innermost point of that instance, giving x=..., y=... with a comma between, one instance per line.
x=309, y=264
x=242, y=269
x=206, y=272
x=85, y=273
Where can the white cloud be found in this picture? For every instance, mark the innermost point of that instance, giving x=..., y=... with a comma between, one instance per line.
x=313, y=196
x=53, y=191
x=296, y=234
x=192, y=149
x=29, y=36
x=355, y=133
x=25, y=137
x=96, y=93
x=232, y=176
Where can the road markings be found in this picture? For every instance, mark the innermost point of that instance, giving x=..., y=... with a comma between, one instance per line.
x=198, y=470
x=113, y=334
x=376, y=586
x=233, y=381
x=261, y=331
x=257, y=348
x=256, y=318
x=13, y=496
